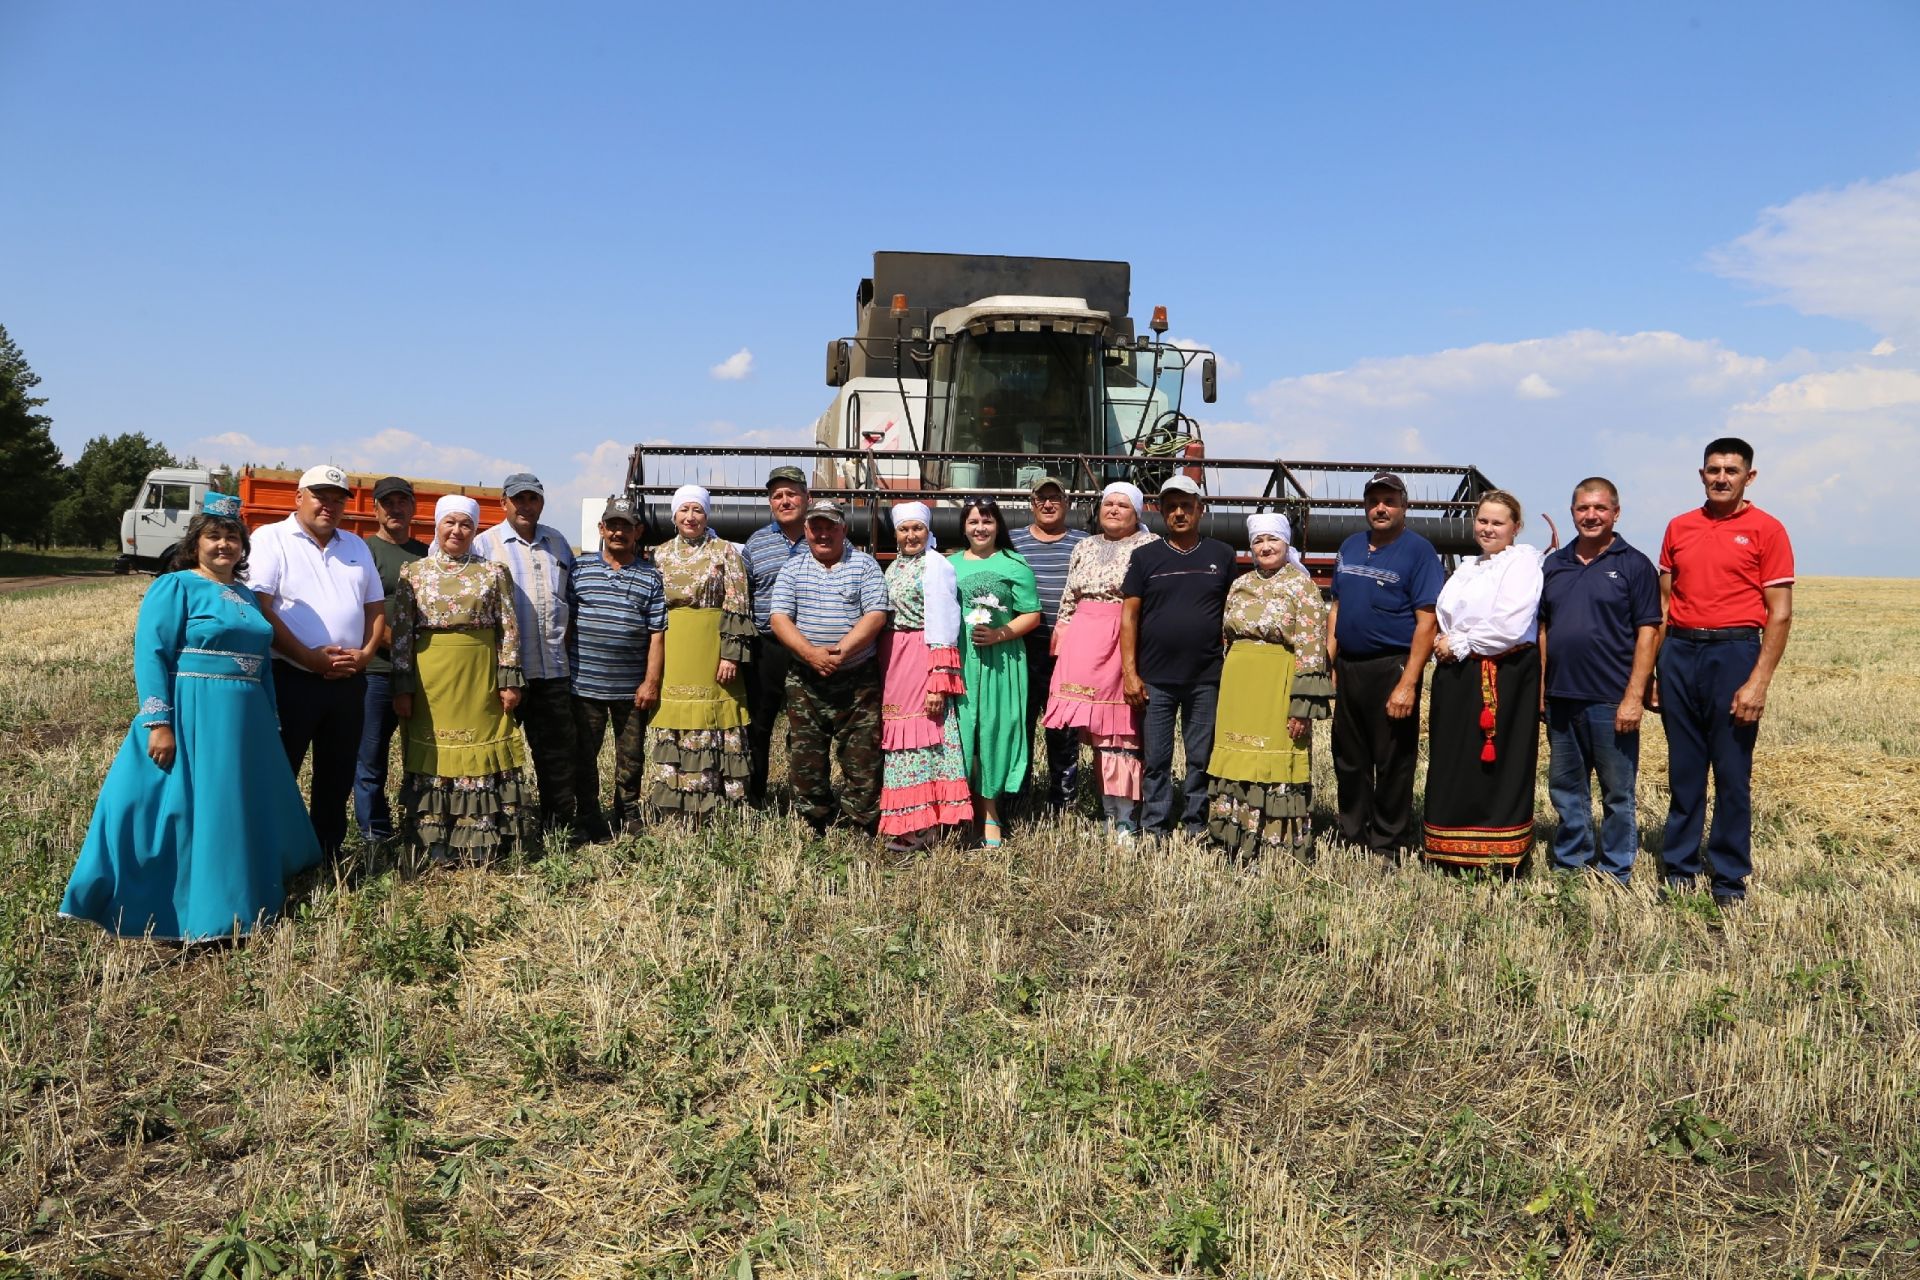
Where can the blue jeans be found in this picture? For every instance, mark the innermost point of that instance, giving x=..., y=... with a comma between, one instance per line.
x=1698, y=679
x=1583, y=742
x=370, y=808
x=1194, y=705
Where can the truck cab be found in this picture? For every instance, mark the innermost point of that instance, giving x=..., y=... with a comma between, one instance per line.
x=163, y=504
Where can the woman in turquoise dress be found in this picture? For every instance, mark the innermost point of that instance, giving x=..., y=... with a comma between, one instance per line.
x=200, y=822
x=999, y=604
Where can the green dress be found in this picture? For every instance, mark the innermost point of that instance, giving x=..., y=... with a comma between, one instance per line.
x=993, y=710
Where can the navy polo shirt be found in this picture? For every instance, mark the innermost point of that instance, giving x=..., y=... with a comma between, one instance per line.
x=1378, y=591
x=1593, y=614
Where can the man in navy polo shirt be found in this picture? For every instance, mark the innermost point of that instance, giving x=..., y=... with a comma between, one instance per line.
x=1601, y=603
x=1175, y=595
x=1385, y=585
x=1726, y=575
x=766, y=552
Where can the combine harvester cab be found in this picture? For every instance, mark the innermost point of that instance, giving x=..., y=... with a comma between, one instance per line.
x=976, y=375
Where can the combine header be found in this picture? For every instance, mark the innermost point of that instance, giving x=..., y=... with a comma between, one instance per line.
x=972, y=375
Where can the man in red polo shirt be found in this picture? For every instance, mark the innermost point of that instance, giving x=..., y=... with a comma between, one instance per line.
x=1726, y=579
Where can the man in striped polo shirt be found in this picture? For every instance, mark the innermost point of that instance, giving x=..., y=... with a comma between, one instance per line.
x=1726, y=577
x=1047, y=544
x=539, y=559
x=827, y=608
x=618, y=649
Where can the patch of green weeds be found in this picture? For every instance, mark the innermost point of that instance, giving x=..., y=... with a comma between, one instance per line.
x=1712, y=1015
x=1684, y=1132
x=546, y=1047
x=1514, y=984
x=720, y=1178
x=1462, y=1171
x=851, y=1064
x=1194, y=1237
x=409, y=951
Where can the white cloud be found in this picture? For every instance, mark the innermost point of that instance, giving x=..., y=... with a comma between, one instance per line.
x=1535, y=416
x=1854, y=389
x=1853, y=254
x=1883, y=348
x=734, y=368
x=1224, y=367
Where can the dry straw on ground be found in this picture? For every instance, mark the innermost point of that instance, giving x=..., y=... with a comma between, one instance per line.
x=750, y=1053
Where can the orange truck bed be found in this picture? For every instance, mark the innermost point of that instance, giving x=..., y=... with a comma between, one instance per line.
x=266, y=495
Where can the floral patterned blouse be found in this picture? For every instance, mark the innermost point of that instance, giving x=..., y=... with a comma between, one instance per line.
x=1097, y=568
x=906, y=593
x=709, y=574
x=439, y=592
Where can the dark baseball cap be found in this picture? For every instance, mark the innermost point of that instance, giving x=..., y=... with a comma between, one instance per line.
x=523, y=482
x=1386, y=480
x=786, y=475
x=826, y=509
x=619, y=508
x=391, y=484
x=1044, y=481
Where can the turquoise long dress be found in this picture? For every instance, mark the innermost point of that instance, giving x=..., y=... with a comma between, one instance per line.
x=205, y=846
x=993, y=710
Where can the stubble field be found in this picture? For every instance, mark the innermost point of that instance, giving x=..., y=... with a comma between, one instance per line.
x=748, y=1053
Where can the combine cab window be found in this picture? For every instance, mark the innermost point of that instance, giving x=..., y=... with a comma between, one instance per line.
x=1018, y=393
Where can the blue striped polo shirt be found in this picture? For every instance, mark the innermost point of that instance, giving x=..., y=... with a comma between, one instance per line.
x=825, y=601
x=1049, y=563
x=615, y=613
x=766, y=553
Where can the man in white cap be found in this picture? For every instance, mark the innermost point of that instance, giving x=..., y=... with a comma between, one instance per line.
x=540, y=561
x=319, y=586
x=1174, y=597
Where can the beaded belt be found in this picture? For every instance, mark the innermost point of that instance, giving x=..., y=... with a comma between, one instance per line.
x=220, y=664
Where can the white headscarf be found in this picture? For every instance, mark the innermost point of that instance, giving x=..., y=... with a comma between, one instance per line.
x=1274, y=524
x=939, y=586
x=454, y=504
x=692, y=493
x=1133, y=494
x=920, y=511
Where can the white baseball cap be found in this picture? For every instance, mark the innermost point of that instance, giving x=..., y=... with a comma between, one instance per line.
x=325, y=476
x=1180, y=484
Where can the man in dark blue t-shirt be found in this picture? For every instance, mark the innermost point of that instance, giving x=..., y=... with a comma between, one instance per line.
x=1601, y=602
x=1385, y=585
x=1175, y=595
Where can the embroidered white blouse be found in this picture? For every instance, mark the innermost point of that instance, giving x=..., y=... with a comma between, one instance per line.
x=1491, y=604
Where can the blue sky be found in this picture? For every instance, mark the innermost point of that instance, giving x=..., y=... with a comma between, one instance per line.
x=457, y=240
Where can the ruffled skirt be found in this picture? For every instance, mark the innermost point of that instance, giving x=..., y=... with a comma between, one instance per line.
x=1087, y=694
x=462, y=795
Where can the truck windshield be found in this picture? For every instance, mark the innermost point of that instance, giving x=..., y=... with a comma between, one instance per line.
x=1020, y=393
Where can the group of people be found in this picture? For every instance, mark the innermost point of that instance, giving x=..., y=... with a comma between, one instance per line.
x=925, y=683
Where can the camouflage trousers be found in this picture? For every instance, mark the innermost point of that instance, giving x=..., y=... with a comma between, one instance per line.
x=546, y=714
x=590, y=719
x=829, y=715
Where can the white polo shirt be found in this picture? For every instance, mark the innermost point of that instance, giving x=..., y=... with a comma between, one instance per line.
x=321, y=593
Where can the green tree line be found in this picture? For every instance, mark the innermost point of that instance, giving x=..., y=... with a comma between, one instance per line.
x=53, y=503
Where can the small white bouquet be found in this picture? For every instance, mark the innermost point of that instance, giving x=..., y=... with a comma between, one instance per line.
x=981, y=614
x=979, y=617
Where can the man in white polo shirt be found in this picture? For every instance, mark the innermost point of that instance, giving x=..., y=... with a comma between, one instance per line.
x=320, y=588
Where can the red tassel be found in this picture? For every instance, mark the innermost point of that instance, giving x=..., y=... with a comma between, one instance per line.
x=1486, y=719
x=1486, y=753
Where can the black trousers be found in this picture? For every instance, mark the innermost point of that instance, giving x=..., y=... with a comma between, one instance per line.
x=1373, y=754
x=766, y=707
x=546, y=716
x=1062, y=745
x=325, y=717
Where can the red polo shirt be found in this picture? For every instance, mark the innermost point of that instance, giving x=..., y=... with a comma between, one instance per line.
x=1720, y=566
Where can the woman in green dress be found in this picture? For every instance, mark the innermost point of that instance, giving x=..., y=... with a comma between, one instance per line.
x=1273, y=684
x=456, y=678
x=999, y=604
x=697, y=746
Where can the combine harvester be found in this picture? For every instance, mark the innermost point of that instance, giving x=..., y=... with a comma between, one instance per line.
x=972, y=374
